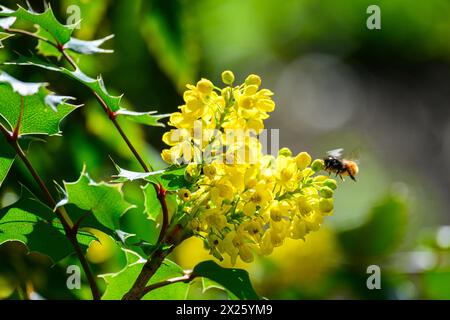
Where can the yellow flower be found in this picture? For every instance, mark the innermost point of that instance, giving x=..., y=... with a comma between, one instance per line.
x=240, y=201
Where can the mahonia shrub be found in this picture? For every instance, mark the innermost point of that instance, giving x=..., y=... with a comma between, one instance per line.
x=241, y=201
x=220, y=185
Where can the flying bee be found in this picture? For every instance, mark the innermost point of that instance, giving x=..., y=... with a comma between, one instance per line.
x=335, y=163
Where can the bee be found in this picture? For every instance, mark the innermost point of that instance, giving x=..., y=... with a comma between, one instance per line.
x=335, y=163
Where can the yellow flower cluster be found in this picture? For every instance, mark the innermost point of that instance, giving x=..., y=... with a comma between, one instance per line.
x=242, y=206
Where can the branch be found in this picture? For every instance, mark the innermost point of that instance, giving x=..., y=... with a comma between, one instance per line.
x=186, y=278
x=60, y=212
x=30, y=34
x=150, y=267
x=161, y=192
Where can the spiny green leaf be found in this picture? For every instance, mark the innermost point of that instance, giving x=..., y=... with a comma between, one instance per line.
x=171, y=178
x=88, y=47
x=74, y=44
x=152, y=205
x=20, y=87
x=96, y=85
x=147, y=118
x=237, y=281
x=104, y=200
x=59, y=32
x=7, y=156
x=4, y=36
x=42, y=110
x=44, y=48
x=117, y=284
x=34, y=224
x=6, y=23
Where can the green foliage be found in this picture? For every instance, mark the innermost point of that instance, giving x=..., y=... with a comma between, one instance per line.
x=59, y=32
x=38, y=114
x=105, y=201
x=236, y=281
x=171, y=178
x=34, y=224
x=4, y=36
x=119, y=283
x=98, y=87
x=7, y=156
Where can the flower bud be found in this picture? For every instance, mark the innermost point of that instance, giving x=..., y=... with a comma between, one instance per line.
x=245, y=253
x=253, y=79
x=326, y=205
x=205, y=86
x=303, y=159
x=326, y=192
x=184, y=194
x=330, y=183
x=285, y=152
x=228, y=77
x=317, y=165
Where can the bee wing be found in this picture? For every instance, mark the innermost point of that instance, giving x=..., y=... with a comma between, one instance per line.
x=336, y=153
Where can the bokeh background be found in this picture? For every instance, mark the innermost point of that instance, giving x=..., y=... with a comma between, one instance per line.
x=382, y=95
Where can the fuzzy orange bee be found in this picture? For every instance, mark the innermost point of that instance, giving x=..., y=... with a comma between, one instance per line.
x=334, y=163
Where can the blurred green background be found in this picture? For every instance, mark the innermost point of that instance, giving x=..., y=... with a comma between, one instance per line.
x=380, y=94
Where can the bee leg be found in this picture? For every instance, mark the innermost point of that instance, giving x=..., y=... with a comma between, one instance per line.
x=352, y=177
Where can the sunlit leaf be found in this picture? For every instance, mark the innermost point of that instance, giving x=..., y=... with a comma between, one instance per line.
x=42, y=113
x=118, y=284
x=4, y=36
x=7, y=156
x=148, y=118
x=104, y=200
x=34, y=224
x=237, y=281
x=59, y=32
x=88, y=47
x=171, y=178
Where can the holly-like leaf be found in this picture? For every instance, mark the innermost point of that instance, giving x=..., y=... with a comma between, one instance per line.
x=7, y=156
x=96, y=85
x=118, y=284
x=88, y=47
x=171, y=178
x=237, y=281
x=59, y=33
x=6, y=23
x=4, y=36
x=20, y=87
x=42, y=110
x=34, y=224
x=44, y=48
x=76, y=45
x=147, y=118
x=104, y=200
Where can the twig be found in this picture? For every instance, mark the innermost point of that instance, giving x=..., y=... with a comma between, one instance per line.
x=30, y=34
x=186, y=278
x=60, y=212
